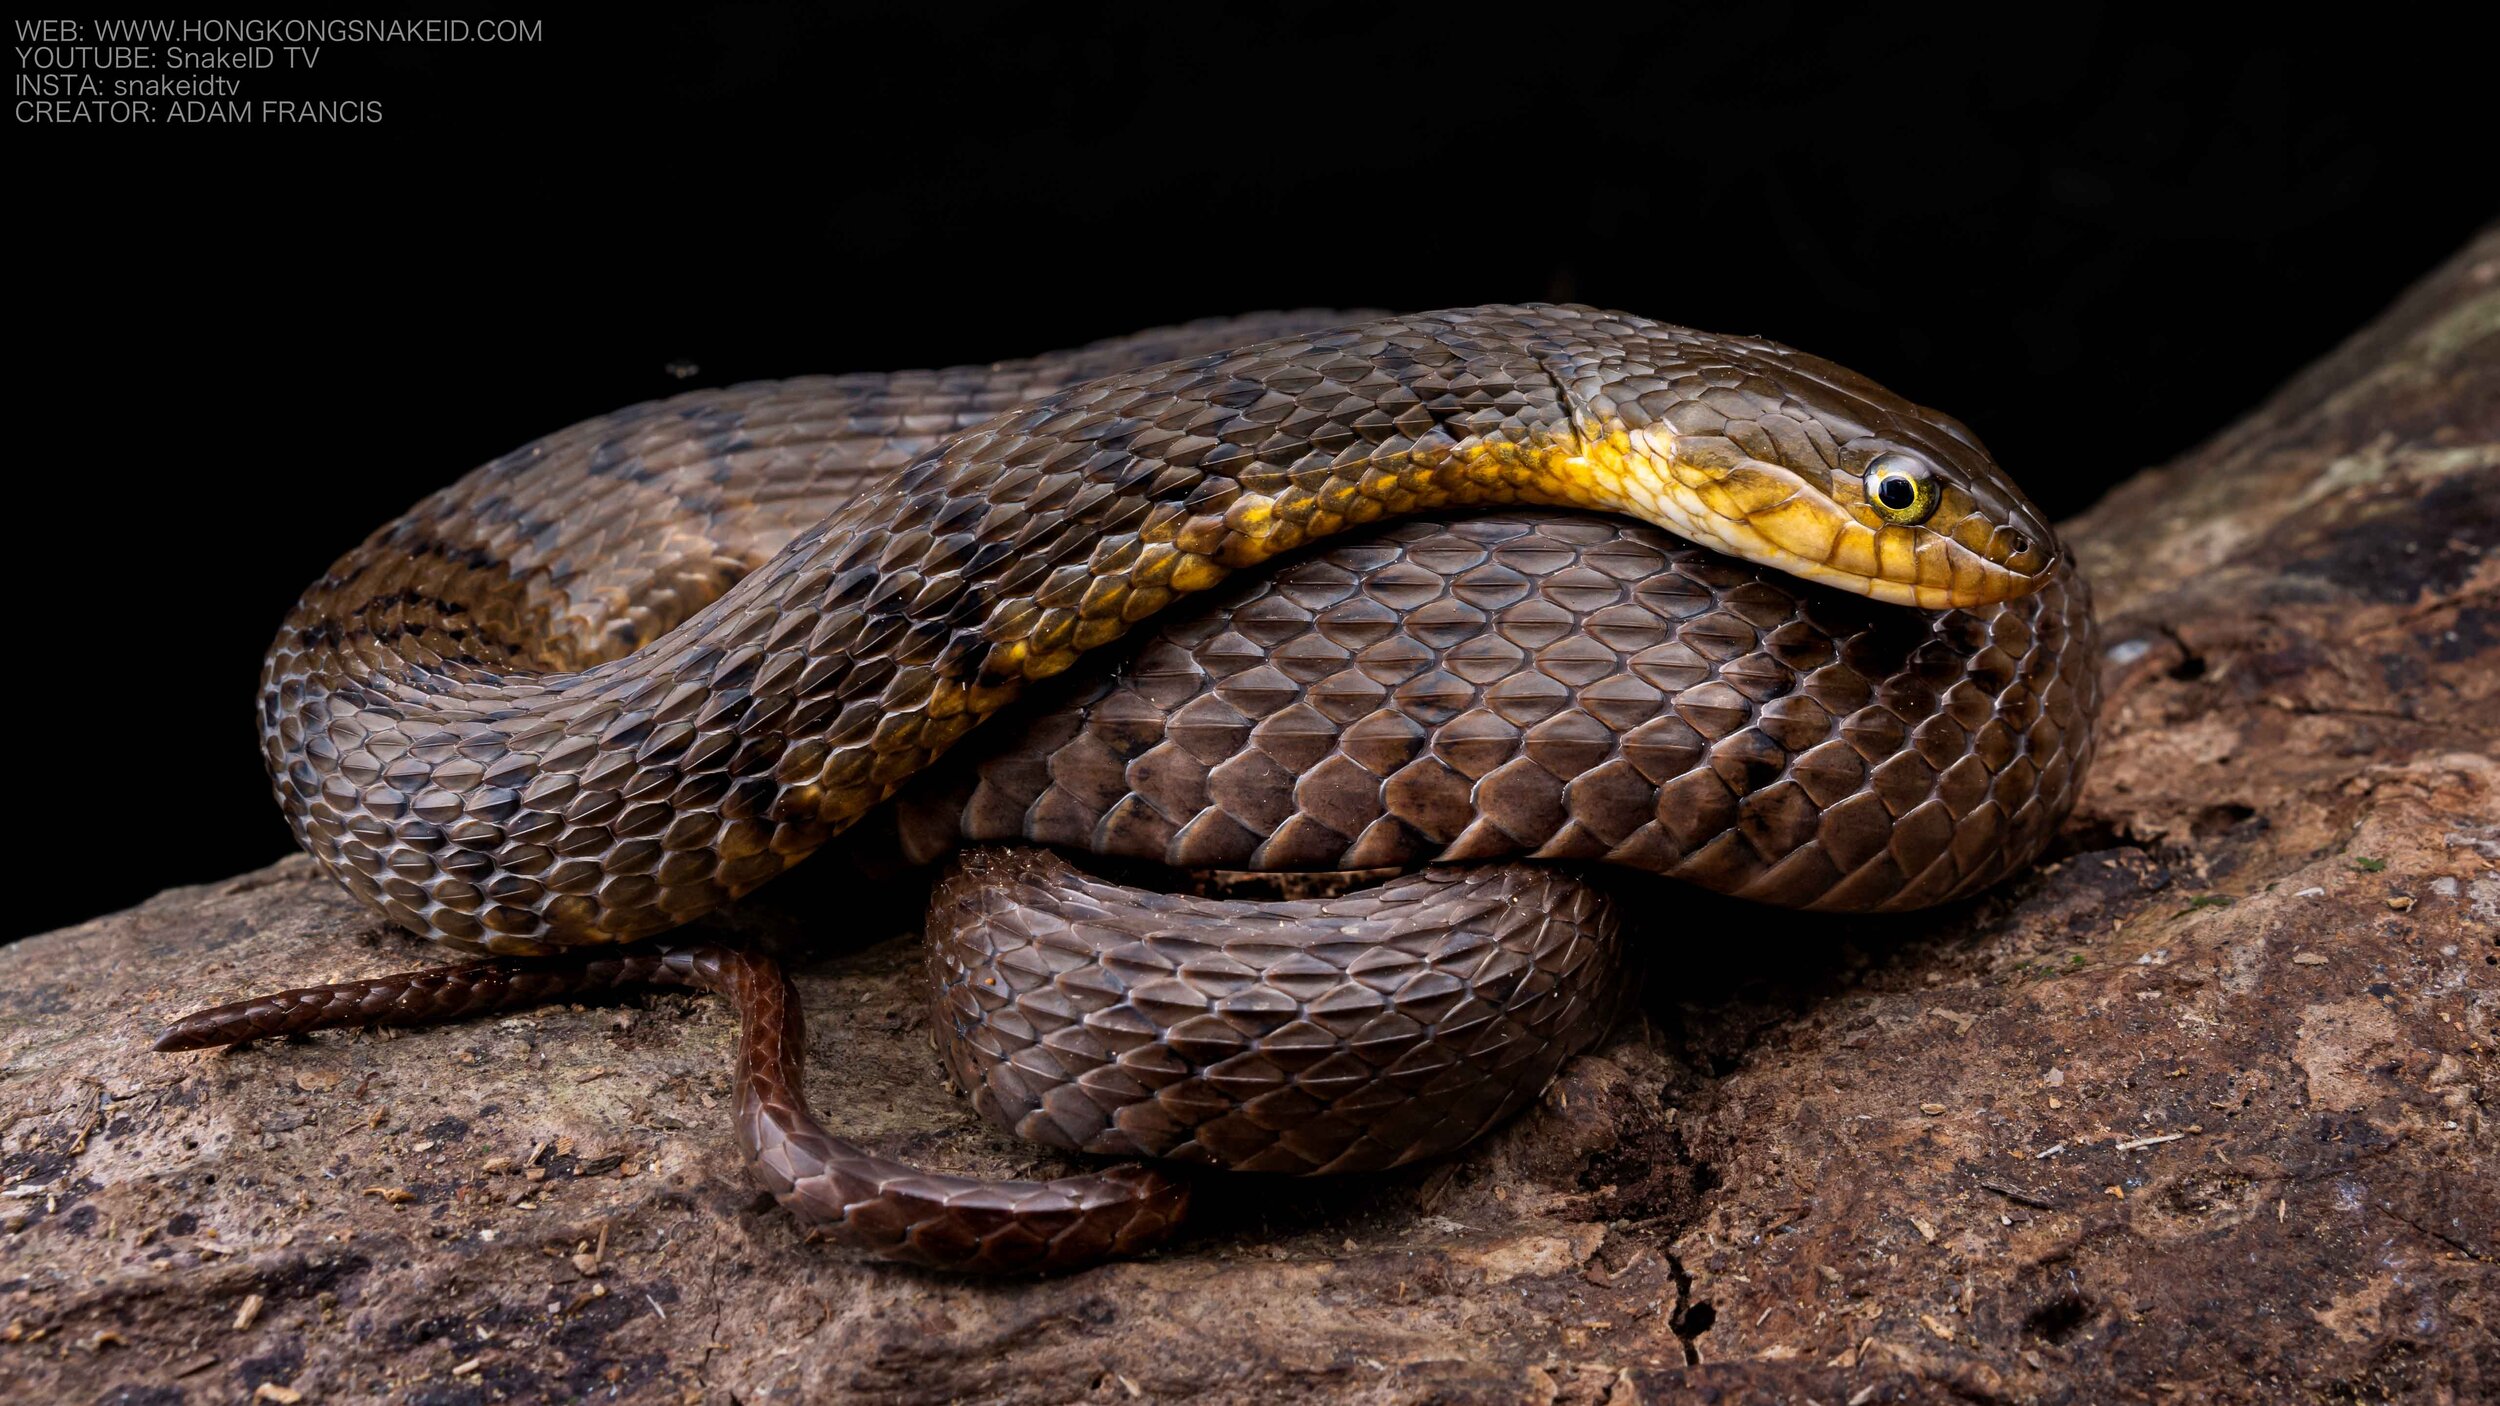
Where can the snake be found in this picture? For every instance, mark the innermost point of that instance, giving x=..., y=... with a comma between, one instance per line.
x=1473, y=610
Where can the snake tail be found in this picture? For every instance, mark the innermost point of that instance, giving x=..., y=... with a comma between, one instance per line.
x=872, y=1204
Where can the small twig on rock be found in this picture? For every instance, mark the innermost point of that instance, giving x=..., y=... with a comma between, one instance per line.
x=2017, y=1196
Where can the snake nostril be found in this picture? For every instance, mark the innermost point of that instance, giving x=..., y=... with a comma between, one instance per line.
x=2018, y=542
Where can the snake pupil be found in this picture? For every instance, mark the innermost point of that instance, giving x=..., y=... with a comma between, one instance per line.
x=1897, y=494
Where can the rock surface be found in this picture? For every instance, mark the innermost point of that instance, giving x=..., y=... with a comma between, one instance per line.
x=2199, y=1111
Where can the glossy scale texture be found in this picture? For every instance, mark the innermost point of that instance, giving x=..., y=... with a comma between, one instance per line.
x=1339, y=1035
x=1549, y=685
x=519, y=719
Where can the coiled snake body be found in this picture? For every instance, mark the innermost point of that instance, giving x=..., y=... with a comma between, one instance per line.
x=607, y=683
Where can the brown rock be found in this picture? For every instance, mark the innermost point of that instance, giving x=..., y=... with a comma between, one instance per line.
x=2102, y=1135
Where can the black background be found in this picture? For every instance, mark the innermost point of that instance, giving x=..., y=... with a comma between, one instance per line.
x=2094, y=237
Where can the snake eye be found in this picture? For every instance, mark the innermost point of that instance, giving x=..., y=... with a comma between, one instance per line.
x=1901, y=489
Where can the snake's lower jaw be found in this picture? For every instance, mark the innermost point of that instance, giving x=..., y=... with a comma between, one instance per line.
x=1772, y=516
x=1993, y=585
x=1816, y=540
x=1902, y=566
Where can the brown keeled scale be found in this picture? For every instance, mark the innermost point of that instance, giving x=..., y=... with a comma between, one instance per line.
x=510, y=719
x=434, y=715
x=1308, y=1037
x=1556, y=686
x=1454, y=691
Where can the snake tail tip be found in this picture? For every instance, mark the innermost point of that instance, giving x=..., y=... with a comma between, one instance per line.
x=190, y=1033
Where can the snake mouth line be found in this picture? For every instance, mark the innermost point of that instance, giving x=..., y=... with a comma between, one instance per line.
x=1969, y=580
x=1806, y=534
x=1784, y=518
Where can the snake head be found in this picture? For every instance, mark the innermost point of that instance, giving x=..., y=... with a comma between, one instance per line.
x=1787, y=460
